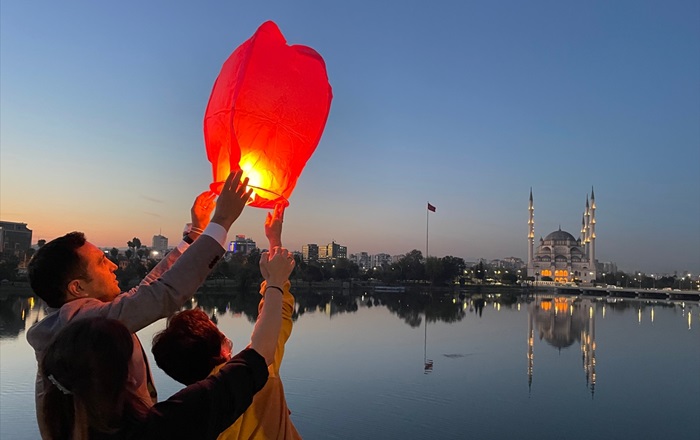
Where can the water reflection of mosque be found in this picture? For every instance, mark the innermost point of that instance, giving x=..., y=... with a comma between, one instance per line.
x=561, y=322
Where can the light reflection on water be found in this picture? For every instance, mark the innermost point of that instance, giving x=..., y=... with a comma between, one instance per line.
x=363, y=365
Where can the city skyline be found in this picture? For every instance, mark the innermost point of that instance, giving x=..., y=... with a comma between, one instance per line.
x=465, y=106
x=680, y=272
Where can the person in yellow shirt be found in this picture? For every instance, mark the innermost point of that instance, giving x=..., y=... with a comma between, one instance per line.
x=192, y=347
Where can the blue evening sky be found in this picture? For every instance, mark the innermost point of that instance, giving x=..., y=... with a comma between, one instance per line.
x=462, y=104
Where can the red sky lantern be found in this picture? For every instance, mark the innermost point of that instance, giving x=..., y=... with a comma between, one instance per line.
x=266, y=114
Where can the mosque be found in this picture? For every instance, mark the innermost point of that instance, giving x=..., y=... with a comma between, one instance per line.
x=559, y=255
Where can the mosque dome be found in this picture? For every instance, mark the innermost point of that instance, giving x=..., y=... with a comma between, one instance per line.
x=559, y=236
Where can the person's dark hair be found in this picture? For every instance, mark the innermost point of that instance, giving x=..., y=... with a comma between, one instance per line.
x=56, y=264
x=189, y=347
x=84, y=370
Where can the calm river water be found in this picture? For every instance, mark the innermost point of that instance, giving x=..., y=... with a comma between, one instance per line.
x=482, y=365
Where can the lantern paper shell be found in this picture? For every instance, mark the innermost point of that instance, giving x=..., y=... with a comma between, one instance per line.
x=266, y=114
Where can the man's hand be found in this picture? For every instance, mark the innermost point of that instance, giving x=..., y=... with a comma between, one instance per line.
x=234, y=195
x=273, y=226
x=202, y=208
x=278, y=265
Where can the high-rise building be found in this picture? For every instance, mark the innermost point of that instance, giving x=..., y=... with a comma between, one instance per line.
x=508, y=263
x=331, y=252
x=160, y=244
x=309, y=252
x=607, y=267
x=340, y=251
x=380, y=260
x=242, y=245
x=15, y=239
x=363, y=260
x=396, y=258
x=323, y=253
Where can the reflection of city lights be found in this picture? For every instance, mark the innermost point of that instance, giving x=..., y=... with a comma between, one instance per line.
x=518, y=307
x=590, y=312
x=454, y=300
x=464, y=306
x=31, y=302
x=603, y=310
x=639, y=316
x=498, y=306
x=652, y=314
x=689, y=320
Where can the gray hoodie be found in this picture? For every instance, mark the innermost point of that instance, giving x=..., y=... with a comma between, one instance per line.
x=162, y=293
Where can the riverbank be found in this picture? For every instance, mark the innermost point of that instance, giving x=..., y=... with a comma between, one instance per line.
x=221, y=286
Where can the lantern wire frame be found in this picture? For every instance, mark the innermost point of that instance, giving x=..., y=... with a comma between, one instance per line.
x=258, y=191
x=263, y=193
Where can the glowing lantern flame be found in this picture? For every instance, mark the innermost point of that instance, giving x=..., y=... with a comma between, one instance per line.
x=266, y=114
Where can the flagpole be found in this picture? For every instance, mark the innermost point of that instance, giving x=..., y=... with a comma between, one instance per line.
x=427, y=217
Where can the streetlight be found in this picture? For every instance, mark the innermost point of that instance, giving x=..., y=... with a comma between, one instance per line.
x=653, y=280
x=640, y=279
x=690, y=282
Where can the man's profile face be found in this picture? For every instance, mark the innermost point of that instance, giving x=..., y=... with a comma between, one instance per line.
x=100, y=283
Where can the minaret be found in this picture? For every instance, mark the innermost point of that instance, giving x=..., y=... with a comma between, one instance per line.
x=591, y=254
x=531, y=236
x=587, y=227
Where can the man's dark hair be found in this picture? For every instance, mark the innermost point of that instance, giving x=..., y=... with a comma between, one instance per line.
x=189, y=347
x=56, y=264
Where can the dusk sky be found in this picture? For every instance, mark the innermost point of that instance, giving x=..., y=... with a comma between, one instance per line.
x=466, y=105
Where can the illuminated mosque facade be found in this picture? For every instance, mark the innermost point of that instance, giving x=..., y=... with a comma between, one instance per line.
x=559, y=255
